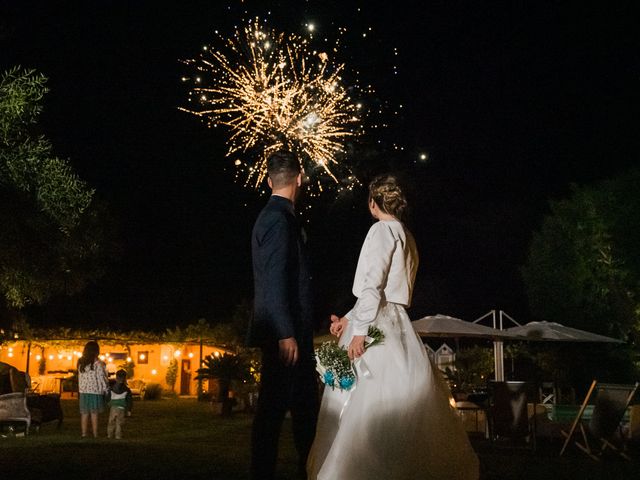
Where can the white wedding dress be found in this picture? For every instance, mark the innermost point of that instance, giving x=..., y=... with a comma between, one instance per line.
x=397, y=422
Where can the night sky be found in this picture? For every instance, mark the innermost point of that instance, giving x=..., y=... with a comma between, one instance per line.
x=511, y=102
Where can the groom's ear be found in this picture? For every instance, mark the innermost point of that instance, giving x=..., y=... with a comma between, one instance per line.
x=270, y=183
x=299, y=179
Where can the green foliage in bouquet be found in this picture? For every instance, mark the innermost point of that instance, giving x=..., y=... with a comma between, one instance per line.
x=333, y=363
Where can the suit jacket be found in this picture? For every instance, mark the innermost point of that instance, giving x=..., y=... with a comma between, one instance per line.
x=282, y=298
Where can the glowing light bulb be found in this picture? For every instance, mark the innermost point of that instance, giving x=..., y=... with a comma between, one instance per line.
x=154, y=372
x=177, y=353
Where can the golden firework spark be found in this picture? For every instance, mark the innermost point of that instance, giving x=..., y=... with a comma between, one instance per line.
x=274, y=92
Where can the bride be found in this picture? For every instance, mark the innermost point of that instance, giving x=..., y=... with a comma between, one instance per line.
x=396, y=423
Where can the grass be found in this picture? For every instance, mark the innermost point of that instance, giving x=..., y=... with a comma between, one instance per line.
x=183, y=439
x=162, y=439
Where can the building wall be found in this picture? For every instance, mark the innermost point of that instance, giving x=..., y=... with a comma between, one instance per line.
x=151, y=361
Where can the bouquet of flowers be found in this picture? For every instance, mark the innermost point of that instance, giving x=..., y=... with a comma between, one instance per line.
x=333, y=363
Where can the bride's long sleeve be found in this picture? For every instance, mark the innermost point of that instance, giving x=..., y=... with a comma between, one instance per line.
x=371, y=276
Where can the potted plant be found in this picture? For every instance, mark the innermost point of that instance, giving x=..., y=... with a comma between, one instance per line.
x=227, y=369
x=172, y=374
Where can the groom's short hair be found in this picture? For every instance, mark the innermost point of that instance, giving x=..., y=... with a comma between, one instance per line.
x=282, y=167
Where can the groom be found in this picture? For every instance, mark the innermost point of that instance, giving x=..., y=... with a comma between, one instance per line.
x=282, y=322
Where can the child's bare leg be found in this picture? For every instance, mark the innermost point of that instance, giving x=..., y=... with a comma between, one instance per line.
x=94, y=423
x=84, y=423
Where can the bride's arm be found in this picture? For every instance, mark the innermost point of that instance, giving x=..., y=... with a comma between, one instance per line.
x=382, y=244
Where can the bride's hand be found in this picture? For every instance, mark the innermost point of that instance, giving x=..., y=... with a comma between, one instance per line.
x=356, y=347
x=337, y=325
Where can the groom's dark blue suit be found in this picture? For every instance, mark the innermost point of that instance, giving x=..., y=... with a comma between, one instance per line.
x=282, y=309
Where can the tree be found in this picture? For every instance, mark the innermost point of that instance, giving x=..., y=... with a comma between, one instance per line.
x=172, y=374
x=583, y=267
x=472, y=368
x=52, y=238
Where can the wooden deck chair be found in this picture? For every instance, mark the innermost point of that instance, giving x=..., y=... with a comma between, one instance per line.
x=609, y=407
x=508, y=412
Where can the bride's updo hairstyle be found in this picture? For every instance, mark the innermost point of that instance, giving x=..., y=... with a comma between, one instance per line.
x=386, y=192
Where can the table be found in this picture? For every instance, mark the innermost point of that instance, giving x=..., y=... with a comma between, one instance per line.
x=466, y=406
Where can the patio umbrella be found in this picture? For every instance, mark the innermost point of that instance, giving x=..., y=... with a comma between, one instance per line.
x=556, y=332
x=445, y=326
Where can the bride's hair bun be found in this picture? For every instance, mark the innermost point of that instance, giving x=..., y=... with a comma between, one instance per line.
x=386, y=192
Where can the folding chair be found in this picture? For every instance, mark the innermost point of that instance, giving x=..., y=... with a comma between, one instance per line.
x=508, y=412
x=611, y=403
x=548, y=393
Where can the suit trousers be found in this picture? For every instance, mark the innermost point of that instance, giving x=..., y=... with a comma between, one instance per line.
x=283, y=389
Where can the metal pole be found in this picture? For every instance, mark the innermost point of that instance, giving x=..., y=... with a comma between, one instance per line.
x=28, y=358
x=499, y=351
x=199, y=393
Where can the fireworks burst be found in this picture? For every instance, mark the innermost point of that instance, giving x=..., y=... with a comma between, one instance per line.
x=274, y=92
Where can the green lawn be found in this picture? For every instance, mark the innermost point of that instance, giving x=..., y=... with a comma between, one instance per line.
x=182, y=439
x=179, y=439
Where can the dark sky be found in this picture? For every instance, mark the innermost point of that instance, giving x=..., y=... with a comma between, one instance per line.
x=512, y=103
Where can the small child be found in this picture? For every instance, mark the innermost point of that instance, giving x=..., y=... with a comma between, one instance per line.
x=121, y=402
